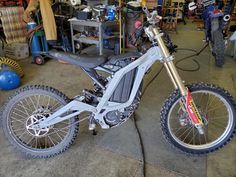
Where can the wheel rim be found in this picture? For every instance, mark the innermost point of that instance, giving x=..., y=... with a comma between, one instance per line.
x=39, y=60
x=217, y=117
x=26, y=110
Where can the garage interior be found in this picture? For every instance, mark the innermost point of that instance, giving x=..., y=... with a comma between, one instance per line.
x=117, y=152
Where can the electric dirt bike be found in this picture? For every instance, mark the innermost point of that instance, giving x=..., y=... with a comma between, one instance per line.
x=215, y=22
x=42, y=122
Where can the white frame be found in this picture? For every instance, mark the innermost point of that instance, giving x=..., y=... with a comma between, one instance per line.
x=104, y=106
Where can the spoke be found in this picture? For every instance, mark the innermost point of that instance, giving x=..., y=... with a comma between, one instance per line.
x=48, y=101
x=51, y=140
x=22, y=134
x=220, y=106
x=37, y=105
x=216, y=118
x=45, y=141
x=26, y=110
x=18, y=115
x=207, y=104
x=200, y=101
x=17, y=120
x=36, y=142
x=213, y=98
x=28, y=105
x=30, y=141
x=193, y=139
x=19, y=111
x=55, y=106
x=216, y=104
x=206, y=130
x=59, y=136
x=60, y=129
x=177, y=129
x=199, y=138
x=218, y=124
x=35, y=108
x=185, y=132
x=17, y=130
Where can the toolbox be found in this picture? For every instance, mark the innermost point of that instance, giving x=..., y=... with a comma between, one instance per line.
x=81, y=15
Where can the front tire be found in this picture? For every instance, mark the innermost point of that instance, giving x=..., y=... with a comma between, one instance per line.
x=31, y=104
x=217, y=109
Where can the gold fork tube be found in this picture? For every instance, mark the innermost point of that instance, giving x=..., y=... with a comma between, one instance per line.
x=170, y=75
x=175, y=75
x=169, y=65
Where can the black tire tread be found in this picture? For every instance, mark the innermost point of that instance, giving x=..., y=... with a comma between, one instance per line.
x=219, y=48
x=19, y=149
x=173, y=97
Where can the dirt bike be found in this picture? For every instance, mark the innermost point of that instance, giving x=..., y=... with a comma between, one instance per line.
x=42, y=122
x=214, y=23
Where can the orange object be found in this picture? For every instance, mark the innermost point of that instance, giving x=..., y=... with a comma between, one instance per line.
x=144, y=3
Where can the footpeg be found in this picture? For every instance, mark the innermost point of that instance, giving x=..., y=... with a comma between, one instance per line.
x=92, y=126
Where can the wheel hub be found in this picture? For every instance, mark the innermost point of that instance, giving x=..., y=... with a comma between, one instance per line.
x=32, y=122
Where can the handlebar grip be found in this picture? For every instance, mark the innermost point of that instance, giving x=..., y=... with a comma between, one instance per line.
x=146, y=11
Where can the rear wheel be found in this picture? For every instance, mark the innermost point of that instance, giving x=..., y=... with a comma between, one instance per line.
x=28, y=106
x=217, y=110
x=218, y=47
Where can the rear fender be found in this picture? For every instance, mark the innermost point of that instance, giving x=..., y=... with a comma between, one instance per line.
x=215, y=24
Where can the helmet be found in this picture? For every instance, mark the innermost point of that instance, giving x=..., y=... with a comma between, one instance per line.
x=9, y=80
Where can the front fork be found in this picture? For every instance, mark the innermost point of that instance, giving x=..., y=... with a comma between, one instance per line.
x=187, y=100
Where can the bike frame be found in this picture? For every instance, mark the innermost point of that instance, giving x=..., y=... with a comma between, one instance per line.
x=142, y=64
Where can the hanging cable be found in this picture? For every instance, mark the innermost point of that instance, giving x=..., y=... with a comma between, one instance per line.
x=142, y=160
x=190, y=57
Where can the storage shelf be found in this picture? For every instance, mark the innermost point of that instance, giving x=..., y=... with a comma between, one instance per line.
x=75, y=24
x=88, y=40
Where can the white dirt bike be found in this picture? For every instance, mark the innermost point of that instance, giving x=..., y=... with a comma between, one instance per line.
x=42, y=122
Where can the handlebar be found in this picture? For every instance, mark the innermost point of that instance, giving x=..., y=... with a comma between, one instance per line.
x=152, y=18
x=146, y=11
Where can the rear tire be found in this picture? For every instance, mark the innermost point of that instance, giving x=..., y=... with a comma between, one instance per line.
x=217, y=109
x=218, y=47
x=39, y=102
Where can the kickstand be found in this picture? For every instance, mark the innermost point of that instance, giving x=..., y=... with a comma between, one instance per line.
x=94, y=132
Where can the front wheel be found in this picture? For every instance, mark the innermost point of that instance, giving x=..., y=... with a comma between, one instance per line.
x=217, y=110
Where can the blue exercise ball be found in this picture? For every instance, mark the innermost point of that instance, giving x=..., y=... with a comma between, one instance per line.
x=9, y=80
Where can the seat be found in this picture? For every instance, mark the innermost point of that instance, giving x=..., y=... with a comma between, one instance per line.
x=81, y=60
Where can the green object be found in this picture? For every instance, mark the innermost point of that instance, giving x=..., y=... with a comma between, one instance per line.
x=39, y=33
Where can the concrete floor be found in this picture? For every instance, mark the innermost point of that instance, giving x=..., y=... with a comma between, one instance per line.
x=116, y=152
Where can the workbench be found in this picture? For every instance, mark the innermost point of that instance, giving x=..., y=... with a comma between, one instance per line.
x=90, y=40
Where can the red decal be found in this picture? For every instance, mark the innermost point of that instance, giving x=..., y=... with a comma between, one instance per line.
x=192, y=112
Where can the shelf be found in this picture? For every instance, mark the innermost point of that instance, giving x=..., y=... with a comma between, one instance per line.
x=88, y=40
